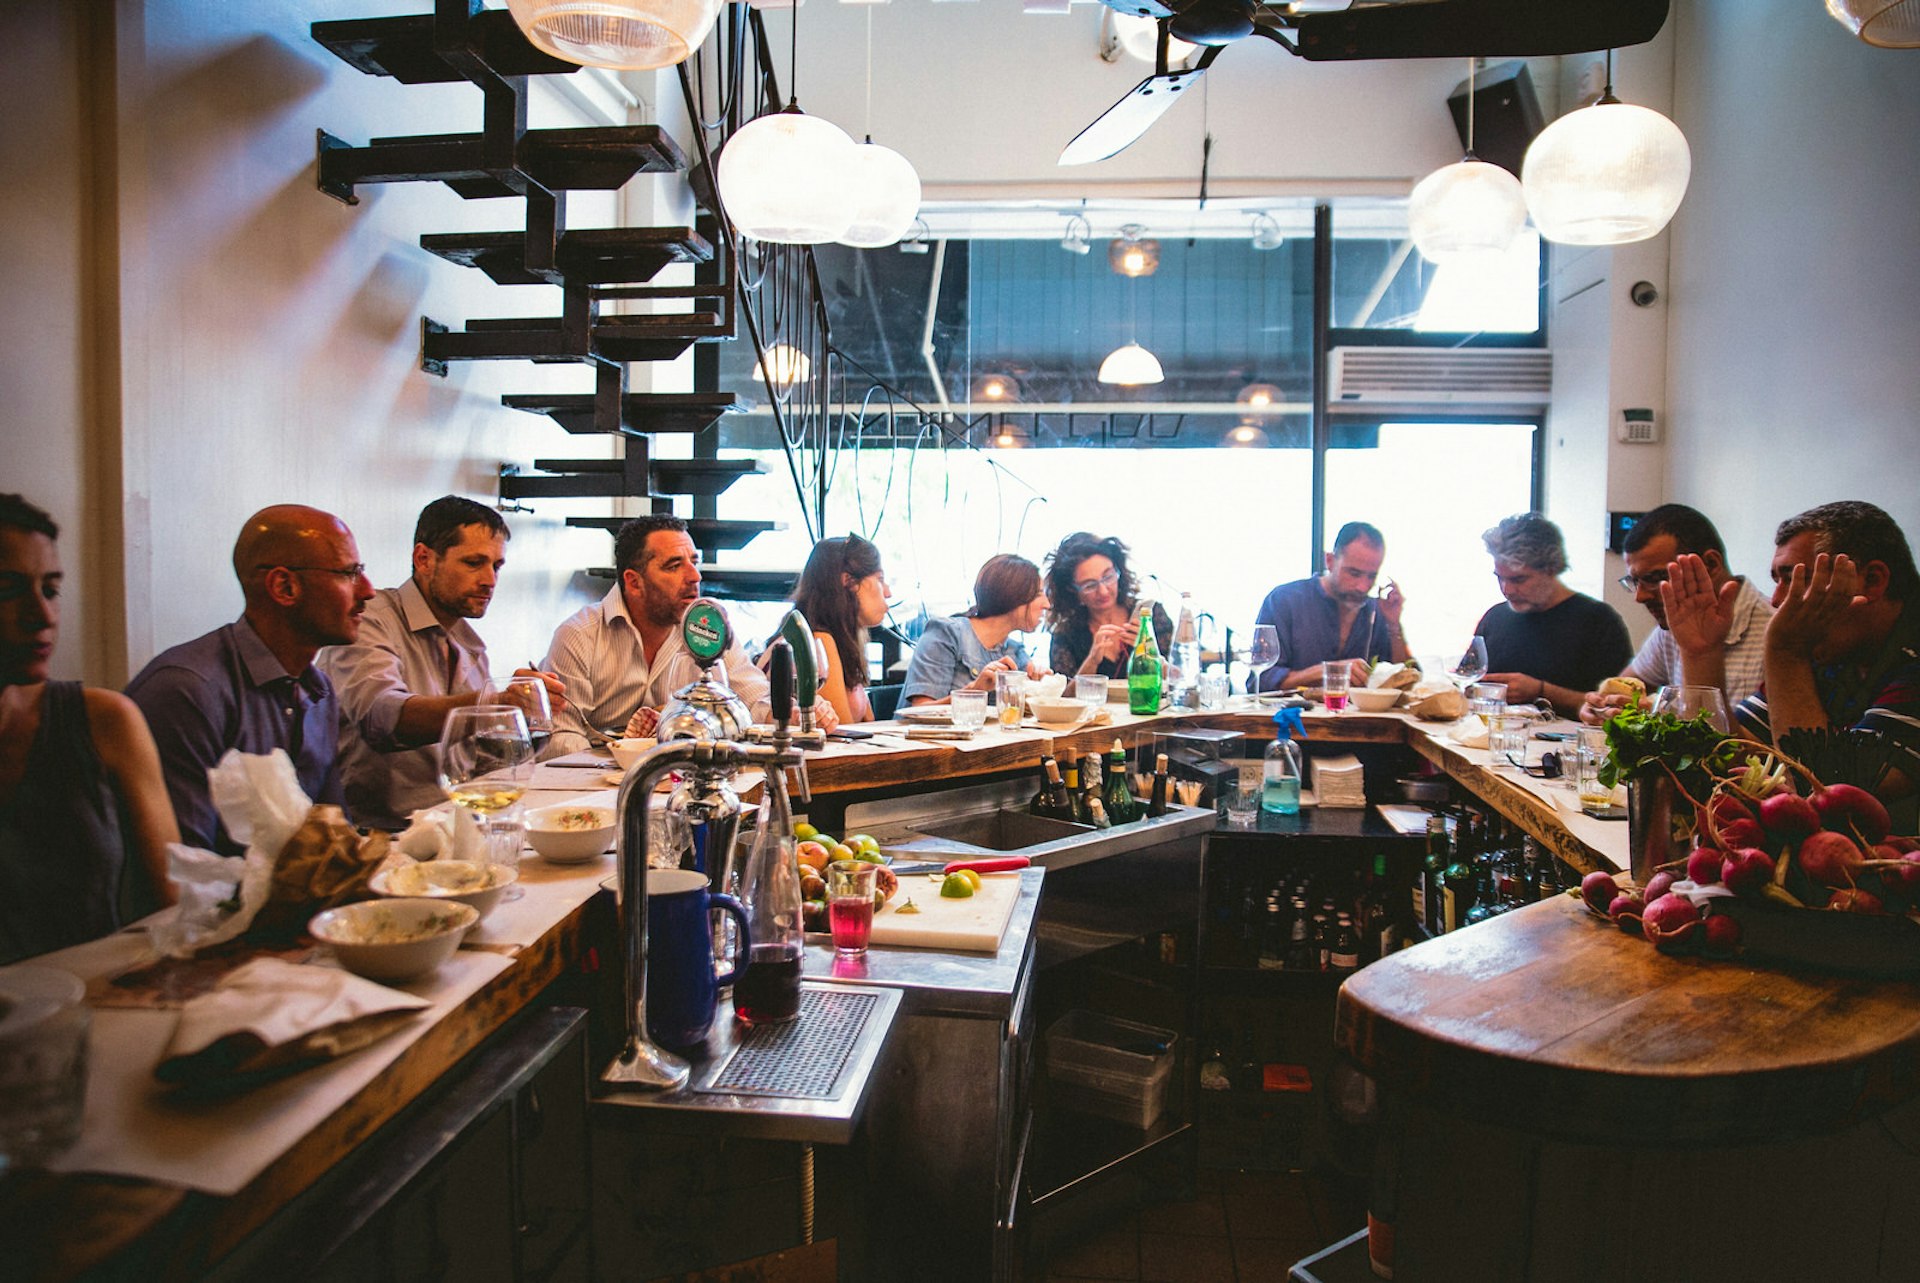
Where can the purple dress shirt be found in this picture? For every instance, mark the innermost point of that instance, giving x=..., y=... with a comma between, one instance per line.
x=226, y=690
x=1308, y=622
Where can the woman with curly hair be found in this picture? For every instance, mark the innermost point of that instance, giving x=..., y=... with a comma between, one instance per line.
x=1094, y=597
x=843, y=592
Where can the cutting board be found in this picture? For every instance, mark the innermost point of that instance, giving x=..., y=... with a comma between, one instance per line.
x=973, y=925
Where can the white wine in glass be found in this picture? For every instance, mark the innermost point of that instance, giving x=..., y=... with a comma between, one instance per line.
x=486, y=763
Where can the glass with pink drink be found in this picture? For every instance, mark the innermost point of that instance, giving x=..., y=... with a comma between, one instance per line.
x=850, y=905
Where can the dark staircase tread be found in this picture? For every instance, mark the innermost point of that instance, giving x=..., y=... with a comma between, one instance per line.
x=402, y=47
x=606, y=479
x=707, y=534
x=641, y=413
x=601, y=158
x=585, y=256
x=652, y=337
x=731, y=584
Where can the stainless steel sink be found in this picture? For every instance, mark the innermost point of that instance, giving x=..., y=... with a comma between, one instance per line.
x=992, y=819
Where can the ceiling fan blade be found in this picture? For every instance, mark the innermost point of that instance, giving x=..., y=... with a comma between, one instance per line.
x=1471, y=28
x=1121, y=125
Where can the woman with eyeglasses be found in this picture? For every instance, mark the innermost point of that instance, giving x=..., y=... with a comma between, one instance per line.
x=843, y=592
x=1094, y=597
x=963, y=652
x=80, y=784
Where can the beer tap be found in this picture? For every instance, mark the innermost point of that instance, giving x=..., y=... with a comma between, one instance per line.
x=642, y=1064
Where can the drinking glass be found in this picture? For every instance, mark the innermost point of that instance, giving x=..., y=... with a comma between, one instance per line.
x=1471, y=666
x=1242, y=797
x=1263, y=652
x=529, y=694
x=1507, y=734
x=850, y=904
x=1090, y=689
x=1335, y=675
x=1688, y=702
x=1485, y=699
x=969, y=710
x=1215, y=687
x=486, y=762
x=1010, y=693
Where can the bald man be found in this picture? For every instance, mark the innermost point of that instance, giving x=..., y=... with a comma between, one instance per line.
x=252, y=684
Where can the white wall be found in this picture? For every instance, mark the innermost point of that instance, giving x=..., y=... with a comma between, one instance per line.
x=1794, y=348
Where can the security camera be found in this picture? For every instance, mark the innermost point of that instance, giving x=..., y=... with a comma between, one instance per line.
x=1643, y=294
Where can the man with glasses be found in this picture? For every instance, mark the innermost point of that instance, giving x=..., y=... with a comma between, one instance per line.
x=1335, y=616
x=416, y=660
x=252, y=684
x=1711, y=623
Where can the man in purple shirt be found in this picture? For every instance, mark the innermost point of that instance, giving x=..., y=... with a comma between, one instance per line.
x=1334, y=615
x=252, y=685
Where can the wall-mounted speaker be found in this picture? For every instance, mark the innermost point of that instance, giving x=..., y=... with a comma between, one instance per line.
x=1506, y=114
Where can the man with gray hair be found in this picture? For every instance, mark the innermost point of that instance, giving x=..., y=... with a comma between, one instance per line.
x=1546, y=640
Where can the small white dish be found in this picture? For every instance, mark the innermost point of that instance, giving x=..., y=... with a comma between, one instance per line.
x=1056, y=711
x=468, y=882
x=393, y=939
x=628, y=751
x=1370, y=699
x=569, y=833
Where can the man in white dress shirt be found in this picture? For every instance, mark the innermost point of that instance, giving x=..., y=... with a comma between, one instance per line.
x=416, y=659
x=623, y=653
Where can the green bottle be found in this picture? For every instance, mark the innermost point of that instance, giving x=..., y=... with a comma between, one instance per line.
x=1144, y=670
x=1121, y=808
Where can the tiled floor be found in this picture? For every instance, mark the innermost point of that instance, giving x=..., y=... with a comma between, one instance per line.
x=1240, y=1227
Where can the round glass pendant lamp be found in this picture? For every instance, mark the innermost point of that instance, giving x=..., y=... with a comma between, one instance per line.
x=1131, y=366
x=1891, y=24
x=885, y=189
x=1608, y=174
x=1469, y=207
x=786, y=365
x=785, y=178
x=626, y=35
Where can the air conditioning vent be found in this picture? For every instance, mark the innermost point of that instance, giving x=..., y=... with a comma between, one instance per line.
x=1457, y=378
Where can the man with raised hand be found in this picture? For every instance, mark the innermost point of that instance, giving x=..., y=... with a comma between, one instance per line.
x=1334, y=615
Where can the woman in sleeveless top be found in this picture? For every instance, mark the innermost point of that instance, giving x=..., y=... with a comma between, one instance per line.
x=80, y=784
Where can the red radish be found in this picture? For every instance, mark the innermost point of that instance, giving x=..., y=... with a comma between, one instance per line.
x=1703, y=864
x=1670, y=920
x=1657, y=885
x=1903, y=845
x=1598, y=890
x=1747, y=872
x=1788, y=817
x=1842, y=806
x=1854, y=900
x=1728, y=807
x=1735, y=834
x=1626, y=911
x=1907, y=876
x=1831, y=859
x=1723, y=934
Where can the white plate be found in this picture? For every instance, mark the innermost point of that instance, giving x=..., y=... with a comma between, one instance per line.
x=924, y=713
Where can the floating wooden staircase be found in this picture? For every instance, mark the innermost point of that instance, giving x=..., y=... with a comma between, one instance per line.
x=598, y=270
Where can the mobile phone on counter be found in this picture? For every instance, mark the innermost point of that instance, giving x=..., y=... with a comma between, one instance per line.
x=848, y=733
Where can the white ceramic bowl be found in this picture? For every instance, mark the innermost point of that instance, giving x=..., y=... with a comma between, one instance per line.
x=627, y=751
x=558, y=840
x=1370, y=699
x=1056, y=711
x=393, y=939
x=464, y=881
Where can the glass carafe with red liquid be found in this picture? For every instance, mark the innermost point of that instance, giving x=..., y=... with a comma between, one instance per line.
x=768, y=991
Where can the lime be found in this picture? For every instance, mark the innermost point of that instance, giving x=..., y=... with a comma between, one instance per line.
x=804, y=831
x=956, y=887
x=971, y=876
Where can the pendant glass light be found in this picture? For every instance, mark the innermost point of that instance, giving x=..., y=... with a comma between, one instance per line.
x=785, y=178
x=883, y=186
x=625, y=35
x=1891, y=24
x=1468, y=207
x=789, y=366
x=1131, y=366
x=1609, y=174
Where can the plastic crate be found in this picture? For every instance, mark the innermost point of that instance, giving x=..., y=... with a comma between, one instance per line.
x=1109, y=1067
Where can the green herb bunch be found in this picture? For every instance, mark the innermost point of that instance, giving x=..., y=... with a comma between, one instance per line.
x=1691, y=748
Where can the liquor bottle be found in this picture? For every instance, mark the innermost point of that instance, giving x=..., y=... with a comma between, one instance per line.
x=1074, y=795
x=1426, y=887
x=1145, y=670
x=1322, y=938
x=1121, y=808
x=1273, y=936
x=1055, y=804
x=1038, y=806
x=1300, y=955
x=1380, y=929
x=1457, y=882
x=1090, y=785
x=1183, y=675
x=768, y=991
x=1485, y=896
x=1157, y=799
x=1344, y=954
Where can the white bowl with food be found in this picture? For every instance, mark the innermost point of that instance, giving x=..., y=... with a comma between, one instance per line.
x=629, y=750
x=1056, y=711
x=570, y=833
x=393, y=939
x=1374, y=699
x=469, y=882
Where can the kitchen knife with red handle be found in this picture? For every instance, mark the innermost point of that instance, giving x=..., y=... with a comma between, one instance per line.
x=1003, y=864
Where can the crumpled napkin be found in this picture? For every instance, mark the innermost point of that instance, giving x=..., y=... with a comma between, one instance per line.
x=260, y=800
x=1468, y=732
x=437, y=834
x=271, y=1017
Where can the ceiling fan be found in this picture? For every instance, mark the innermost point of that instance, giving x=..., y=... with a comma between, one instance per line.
x=1356, y=30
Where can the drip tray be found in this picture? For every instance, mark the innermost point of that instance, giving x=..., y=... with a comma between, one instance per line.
x=805, y=1080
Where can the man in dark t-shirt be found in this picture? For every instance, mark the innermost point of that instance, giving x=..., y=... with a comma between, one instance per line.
x=1546, y=639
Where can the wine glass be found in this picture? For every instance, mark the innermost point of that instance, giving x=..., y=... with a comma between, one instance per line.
x=528, y=693
x=1689, y=702
x=486, y=763
x=1263, y=652
x=1471, y=666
